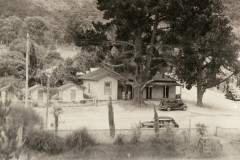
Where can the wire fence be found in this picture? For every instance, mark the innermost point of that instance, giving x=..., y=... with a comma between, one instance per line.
x=103, y=135
x=232, y=134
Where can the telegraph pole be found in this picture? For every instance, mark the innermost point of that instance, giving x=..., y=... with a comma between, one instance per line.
x=48, y=84
x=27, y=62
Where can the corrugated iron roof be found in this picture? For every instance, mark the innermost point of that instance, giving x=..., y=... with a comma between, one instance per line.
x=163, y=77
x=67, y=85
x=35, y=87
x=100, y=74
x=8, y=86
x=164, y=84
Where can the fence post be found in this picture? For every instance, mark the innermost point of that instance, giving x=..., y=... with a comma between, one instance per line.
x=217, y=127
x=189, y=131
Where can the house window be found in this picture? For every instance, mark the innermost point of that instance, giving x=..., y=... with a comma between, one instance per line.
x=73, y=94
x=107, y=88
x=40, y=95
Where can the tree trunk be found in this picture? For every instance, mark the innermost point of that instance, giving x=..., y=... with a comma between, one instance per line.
x=156, y=122
x=56, y=124
x=138, y=99
x=200, y=92
x=111, y=118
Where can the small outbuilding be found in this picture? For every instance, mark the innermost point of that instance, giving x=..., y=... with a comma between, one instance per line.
x=70, y=92
x=37, y=94
x=10, y=92
x=161, y=86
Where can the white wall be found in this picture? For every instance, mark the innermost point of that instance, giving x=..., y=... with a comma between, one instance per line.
x=3, y=97
x=34, y=96
x=66, y=94
x=172, y=91
x=93, y=88
x=157, y=92
x=97, y=88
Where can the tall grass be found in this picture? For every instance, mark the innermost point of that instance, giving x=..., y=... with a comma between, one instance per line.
x=80, y=140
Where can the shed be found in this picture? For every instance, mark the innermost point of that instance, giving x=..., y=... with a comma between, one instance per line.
x=70, y=92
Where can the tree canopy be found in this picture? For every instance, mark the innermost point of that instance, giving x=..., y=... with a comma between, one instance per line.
x=209, y=48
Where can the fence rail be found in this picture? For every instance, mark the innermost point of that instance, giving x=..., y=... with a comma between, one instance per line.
x=232, y=134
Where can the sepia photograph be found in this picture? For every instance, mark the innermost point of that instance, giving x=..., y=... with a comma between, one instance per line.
x=119, y=79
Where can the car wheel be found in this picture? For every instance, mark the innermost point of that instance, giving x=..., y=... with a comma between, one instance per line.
x=184, y=108
x=168, y=109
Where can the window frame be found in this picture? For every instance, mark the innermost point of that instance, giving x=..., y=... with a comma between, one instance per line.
x=71, y=94
x=110, y=88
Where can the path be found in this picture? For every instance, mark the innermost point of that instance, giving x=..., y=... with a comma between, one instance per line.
x=231, y=150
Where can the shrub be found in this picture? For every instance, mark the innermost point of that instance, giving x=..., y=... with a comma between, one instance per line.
x=201, y=129
x=119, y=140
x=45, y=142
x=80, y=140
x=26, y=116
x=157, y=141
x=170, y=139
x=136, y=134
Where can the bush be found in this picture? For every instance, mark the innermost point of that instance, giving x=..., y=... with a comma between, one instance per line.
x=170, y=139
x=201, y=129
x=80, y=140
x=27, y=117
x=45, y=142
x=157, y=141
x=136, y=135
x=119, y=140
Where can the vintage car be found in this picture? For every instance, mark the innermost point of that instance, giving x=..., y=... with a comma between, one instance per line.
x=233, y=94
x=163, y=122
x=172, y=104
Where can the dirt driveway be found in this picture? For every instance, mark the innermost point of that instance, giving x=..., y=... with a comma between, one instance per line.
x=218, y=112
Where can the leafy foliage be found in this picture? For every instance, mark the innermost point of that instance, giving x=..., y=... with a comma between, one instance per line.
x=12, y=64
x=52, y=59
x=209, y=47
x=27, y=117
x=119, y=140
x=201, y=129
x=80, y=140
x=44, y=141
x=136, y=134
x=10, y=28
x=4, y=81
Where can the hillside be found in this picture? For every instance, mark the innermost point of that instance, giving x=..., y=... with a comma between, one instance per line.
x=58, y=8
x=233, y=11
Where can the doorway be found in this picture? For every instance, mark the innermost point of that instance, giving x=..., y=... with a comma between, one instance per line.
x=149, y=92
x=165, y=91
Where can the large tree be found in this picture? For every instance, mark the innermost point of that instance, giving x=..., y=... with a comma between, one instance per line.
x=134, y=28
x=209, y=49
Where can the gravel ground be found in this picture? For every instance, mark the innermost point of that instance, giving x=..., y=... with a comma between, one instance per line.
x=218, y=111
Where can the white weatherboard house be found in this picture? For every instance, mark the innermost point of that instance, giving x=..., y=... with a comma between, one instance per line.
x=70, y=92
x=38, y=94
x=162, y=86
x=10, y=92
x=101, y=83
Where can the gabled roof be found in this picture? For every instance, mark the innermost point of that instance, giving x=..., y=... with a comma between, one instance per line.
x=35, y=87
x=67, y=85
x=8, y=86
x=100, y=74
x=162, y=78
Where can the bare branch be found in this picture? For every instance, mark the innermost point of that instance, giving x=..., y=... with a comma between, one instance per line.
x=218, y=82
x=112, y=65
x=146, y=84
